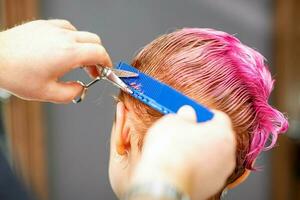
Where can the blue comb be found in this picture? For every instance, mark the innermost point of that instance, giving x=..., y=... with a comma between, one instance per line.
x=160, y=96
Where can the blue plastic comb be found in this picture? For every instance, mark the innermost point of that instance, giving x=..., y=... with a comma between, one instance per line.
x=160, y=96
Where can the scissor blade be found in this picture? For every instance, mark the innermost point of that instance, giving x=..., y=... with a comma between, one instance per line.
x=113, y=78
x=120, y=73
x=124, y=73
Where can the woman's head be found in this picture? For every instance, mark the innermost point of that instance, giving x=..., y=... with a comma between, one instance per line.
x=218, y=71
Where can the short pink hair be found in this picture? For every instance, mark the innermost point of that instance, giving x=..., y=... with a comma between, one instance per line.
x=217, y=70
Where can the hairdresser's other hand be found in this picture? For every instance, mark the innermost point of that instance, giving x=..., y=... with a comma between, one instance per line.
x=195, y=158
x=33, y=56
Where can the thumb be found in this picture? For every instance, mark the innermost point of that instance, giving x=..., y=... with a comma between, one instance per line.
x=188, y=113
x=64, y=92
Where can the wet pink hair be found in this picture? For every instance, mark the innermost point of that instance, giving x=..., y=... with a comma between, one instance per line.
x=217, y=70
x=245, y=67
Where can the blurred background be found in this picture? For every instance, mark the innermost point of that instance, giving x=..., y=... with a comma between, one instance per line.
x=61, y=151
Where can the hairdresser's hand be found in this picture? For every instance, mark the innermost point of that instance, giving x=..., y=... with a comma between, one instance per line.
x=33, y=56
x=195, y=158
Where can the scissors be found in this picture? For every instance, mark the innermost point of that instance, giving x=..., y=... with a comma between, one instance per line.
x=109, y=74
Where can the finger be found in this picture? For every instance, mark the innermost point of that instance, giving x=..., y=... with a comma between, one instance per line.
x=188, y=113
x=92, y=54
x=92, y=71
x=86, y=37
x=221, y=117
x=64, y=92
x=62, y=23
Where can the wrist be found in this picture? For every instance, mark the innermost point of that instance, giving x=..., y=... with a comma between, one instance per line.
x=154, y=191
x=154, y=171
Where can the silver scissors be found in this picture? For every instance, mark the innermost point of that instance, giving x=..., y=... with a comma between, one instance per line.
x=110, y=74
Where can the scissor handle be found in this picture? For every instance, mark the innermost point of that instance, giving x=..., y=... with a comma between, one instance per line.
x=85, y=87
x=81, y=96
x=109, y=74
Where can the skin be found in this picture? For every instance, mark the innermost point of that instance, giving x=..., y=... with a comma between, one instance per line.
x=170, y=156
x=35, y=55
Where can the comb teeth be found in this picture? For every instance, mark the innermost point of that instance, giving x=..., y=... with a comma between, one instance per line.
x=160, y=96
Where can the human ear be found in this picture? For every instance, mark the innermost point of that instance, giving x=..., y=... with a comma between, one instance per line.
x=122, y=138
x=239, y=180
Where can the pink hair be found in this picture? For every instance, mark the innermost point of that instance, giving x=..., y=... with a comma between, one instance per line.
x=217, y=70
x=246, y=66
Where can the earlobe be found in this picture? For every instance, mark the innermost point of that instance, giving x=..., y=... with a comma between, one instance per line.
x=239, y=180
x=122, y=130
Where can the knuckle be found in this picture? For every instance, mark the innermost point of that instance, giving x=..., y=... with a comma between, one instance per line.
x=63, y=32
x=68, y=47
x=101, y=50
x=71, y=36
x=64, y=21
x=222, y=116
x=69, y=24
x=97, y=37
x=227, y=119
x=93, y=36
